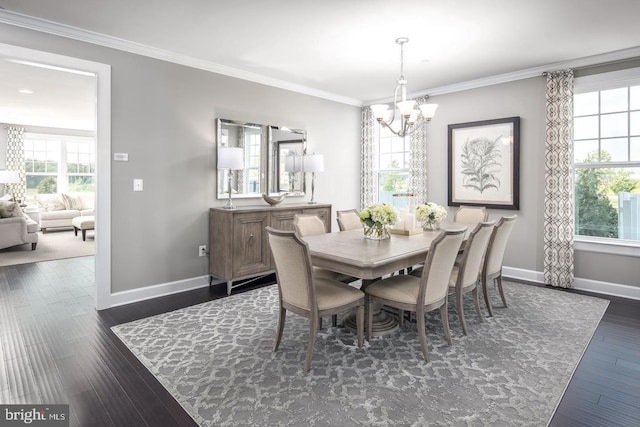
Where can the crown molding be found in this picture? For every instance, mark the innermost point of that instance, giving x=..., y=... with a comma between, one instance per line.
x=57, y=29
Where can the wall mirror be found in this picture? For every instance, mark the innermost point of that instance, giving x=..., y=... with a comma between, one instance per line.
x=250, y=181
x=272, y=159
x=286, y=147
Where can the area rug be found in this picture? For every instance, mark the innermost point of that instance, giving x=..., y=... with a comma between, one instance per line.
x=216, y=359
x=52, y=245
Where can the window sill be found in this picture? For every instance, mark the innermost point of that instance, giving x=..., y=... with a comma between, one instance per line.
x=605, y=246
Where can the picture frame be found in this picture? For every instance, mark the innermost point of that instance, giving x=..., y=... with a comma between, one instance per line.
x=484, y=163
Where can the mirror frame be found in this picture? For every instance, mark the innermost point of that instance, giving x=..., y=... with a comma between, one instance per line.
x=299, y=136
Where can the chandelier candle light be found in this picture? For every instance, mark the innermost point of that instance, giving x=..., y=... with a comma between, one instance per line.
x=313, y=163
x=230, y=158
x=408, y=114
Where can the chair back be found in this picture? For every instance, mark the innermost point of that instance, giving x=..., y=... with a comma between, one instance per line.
x=474, y=251
x=498, y=244
x=293, y=268
x=434, y=283
x=471, y=214
x=308, y=225
x=348, y=220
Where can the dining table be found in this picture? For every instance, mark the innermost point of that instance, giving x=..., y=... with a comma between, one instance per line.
x=350, y=253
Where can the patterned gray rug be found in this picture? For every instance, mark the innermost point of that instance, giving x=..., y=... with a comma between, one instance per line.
x=216, y=360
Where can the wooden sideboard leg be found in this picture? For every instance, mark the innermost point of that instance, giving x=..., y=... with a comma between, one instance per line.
x=229, y=286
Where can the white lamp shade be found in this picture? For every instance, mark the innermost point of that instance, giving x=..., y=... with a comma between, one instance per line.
x=313, y=163
x=292, y=163
x=428, y=110
x=406, y=107
x=230, y=158
x=9, y=177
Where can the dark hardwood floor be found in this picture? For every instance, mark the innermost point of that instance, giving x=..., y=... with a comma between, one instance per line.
x=55, y=348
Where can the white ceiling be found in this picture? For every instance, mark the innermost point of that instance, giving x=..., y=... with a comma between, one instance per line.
x=346, y=49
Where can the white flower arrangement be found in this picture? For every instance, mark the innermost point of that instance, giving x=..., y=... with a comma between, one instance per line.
x=431, y=214
x=378, y=215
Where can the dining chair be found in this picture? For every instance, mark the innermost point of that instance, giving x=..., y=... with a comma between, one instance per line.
x=465, y=276
x=348, y=220
x=492, y=266
x=471, y=214
x=420, y=294
x=305, y=295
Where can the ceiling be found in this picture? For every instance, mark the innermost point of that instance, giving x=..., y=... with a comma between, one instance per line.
x=346, y=50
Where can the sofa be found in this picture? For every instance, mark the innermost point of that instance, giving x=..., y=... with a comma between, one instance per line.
x=16, y=228
x=58, y=210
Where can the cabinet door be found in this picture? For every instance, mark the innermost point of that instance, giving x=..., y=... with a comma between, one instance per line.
x=323, y=213
x=251, y=253
x=283, y=219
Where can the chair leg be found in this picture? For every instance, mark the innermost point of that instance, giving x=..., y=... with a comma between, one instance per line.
x=499, y=280
x=476, y=301
x=485, y=291
x=320, y=323
x=369, y=312
x=422, y=334
x=445, y=322
x=460, y=310
x=33, y=246
x=281, y=319
x=360, y=323
x=400, y=317
x=334, y=320
x=313, y=331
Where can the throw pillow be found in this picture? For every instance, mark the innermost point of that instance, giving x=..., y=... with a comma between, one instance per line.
x=55, y=204
x=71, y=202
x=10, y=209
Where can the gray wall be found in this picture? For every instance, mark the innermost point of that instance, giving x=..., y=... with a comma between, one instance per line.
x=163, y=116
x=524, y=98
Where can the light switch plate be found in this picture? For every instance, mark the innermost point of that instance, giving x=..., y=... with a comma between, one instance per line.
x=137, y=184
x=121, y=157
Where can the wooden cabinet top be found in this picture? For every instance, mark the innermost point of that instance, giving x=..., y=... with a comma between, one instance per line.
x=280, y=207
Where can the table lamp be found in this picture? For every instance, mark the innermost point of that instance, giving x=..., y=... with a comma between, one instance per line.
x=9, y=177
x=230, y=158
x=313, y=163
x=293, y=166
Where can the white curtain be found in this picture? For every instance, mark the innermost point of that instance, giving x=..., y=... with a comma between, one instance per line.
x=369, y=180
x=558, y=200
x=15, y=160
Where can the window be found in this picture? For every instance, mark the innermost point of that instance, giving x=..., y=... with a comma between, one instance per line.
x=607, y=156
x=56, y=164
x=393, y=160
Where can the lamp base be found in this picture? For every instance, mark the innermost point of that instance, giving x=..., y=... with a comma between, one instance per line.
x=311, y=202
x=229, y=207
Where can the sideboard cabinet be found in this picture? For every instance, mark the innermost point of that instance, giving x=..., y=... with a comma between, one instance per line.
x=238, y=243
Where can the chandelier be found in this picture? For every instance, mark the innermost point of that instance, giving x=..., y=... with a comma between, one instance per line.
x=405, y=108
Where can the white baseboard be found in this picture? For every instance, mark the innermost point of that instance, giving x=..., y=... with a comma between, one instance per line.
x=155, y=291
x=596, y=286
x=164, y=289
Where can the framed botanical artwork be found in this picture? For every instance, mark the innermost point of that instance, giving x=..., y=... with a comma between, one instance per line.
x=484, y=163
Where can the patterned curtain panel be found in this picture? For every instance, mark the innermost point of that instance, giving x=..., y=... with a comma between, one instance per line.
x=418, y=166
x=558, y=198
x=15, y=160
x=368, y=182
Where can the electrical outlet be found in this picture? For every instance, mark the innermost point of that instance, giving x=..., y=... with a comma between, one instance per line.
x=202, y=250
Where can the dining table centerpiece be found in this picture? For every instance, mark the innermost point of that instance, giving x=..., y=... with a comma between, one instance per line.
x=431, y=215
x=377, y=220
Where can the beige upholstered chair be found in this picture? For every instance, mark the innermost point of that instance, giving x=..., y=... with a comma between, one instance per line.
x=471, y=214
x=348, y=220
x=464, y=277
x=421, y=294
x=305, y=295
x=492, y=266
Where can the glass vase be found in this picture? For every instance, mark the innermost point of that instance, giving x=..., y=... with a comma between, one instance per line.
x=431, y=225
x=376, y=232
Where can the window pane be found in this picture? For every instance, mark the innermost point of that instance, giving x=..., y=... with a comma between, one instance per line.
x=385, y=145
x=634, y=125
x=585, y=103
x=581, y=149
x=81, y=183
x=614, y=125
x=614, y=150
x=613, y=100
x=398, y=144
x=390, y=183
x=635, y=98
x=585, y=127
x=634, y=149
x=385, y=161
x=397, y=161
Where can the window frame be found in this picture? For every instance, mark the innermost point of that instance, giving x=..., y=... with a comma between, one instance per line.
x=381, y=134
